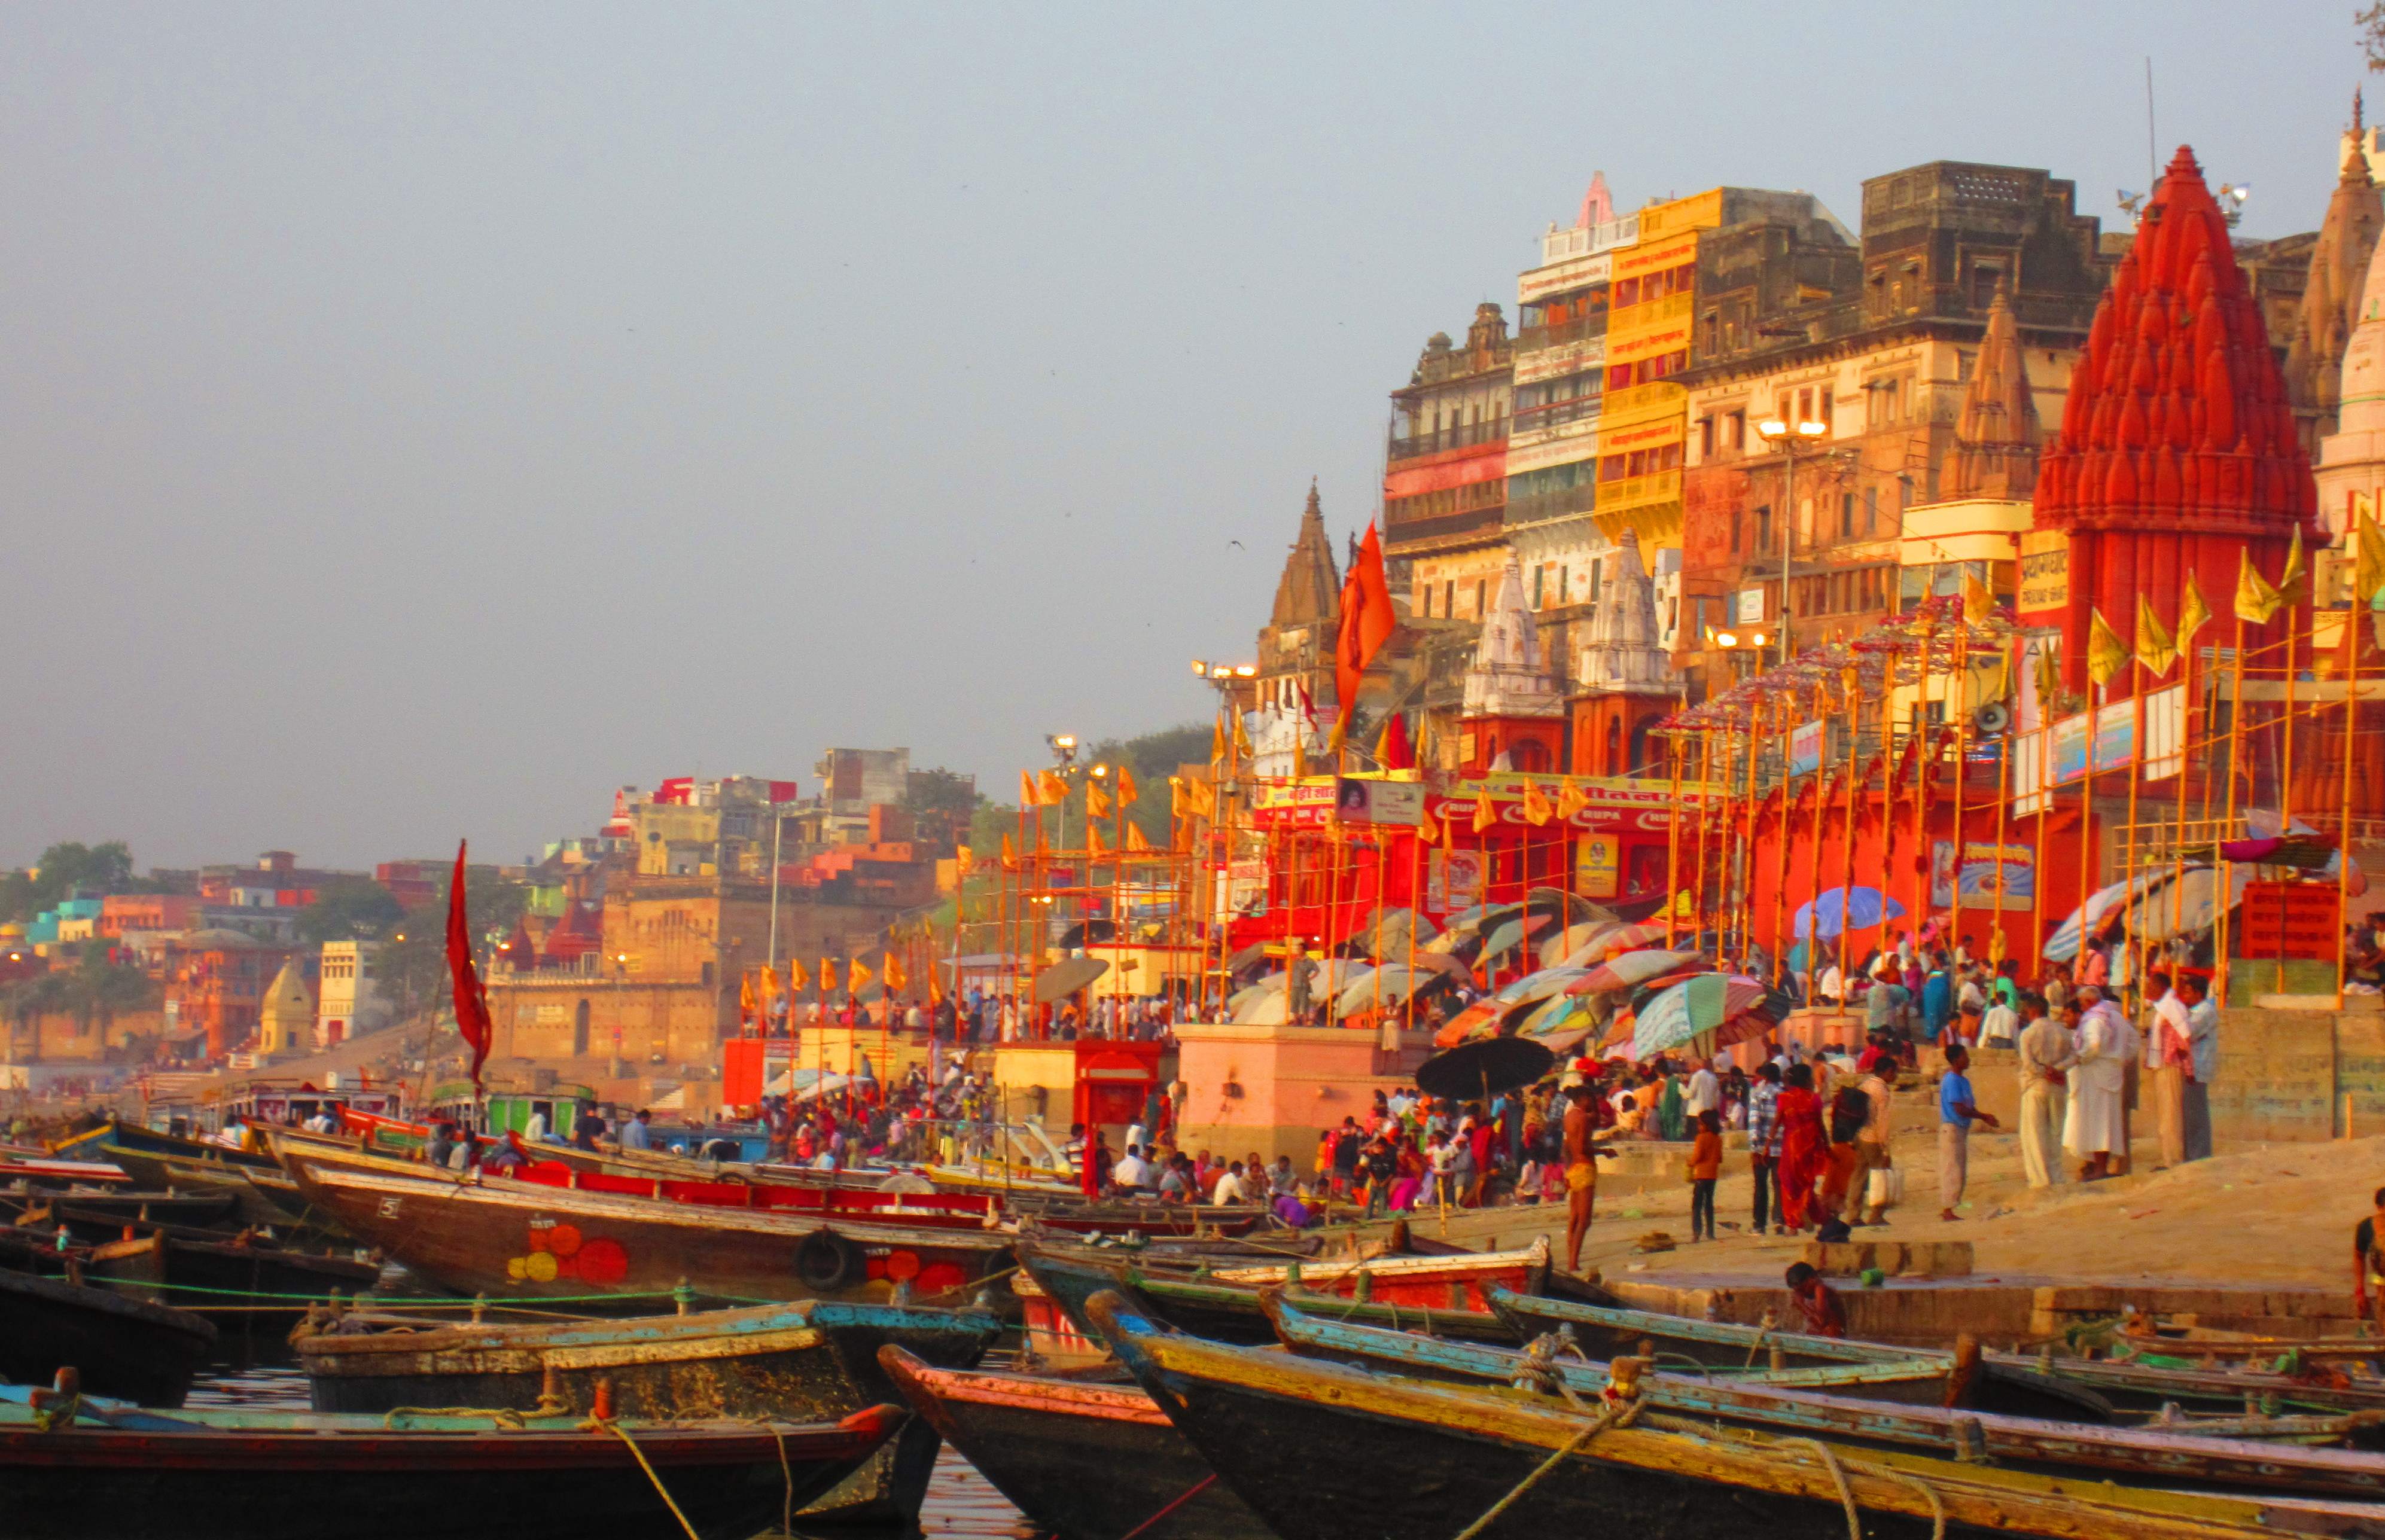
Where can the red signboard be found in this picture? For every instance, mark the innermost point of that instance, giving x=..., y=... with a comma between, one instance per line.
x=2298, y=921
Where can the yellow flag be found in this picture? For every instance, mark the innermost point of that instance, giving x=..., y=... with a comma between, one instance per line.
x=1484, y=814
x=964, y=860
x=2255, y=600
x=1537, y=810
x=2368, y=566
x=1242, y=740
x=1054, y=787
x=1029, y=794
x=1978, y=602
x=769, y=986
x=896, y=980
x=2293, y=582
x=1009, y=850
x=1218, y=741
x=2107, y=653
x=857, y=976
x=1097, y=802
x=1570, y=800
x=1428, y=830
x=1204, y=797
x=1135, y=843
x=746, y=993
x=1094, y=840
x=1449, y=831
x=2049, y=677
x=2156, y=649
x=1127, y=792
x=828, y=974
x=2192, y=615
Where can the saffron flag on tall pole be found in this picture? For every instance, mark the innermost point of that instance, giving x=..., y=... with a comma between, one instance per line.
x=471, y=1003
x=2255, y=600
x=2192, y=615
x=2107, y=653
x=1367, y=621
x=2155, y=649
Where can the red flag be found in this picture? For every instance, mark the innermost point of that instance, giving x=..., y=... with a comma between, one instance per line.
x=1366, y=623
x=1398, y=753
x=471, y=1004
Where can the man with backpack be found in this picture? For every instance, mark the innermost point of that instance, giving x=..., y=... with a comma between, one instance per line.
x=1870, y=1117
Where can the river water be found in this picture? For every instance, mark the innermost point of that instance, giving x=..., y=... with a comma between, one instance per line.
x=961, y=1504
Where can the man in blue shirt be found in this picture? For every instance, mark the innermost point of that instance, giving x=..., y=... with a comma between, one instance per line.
x=1955, y=1115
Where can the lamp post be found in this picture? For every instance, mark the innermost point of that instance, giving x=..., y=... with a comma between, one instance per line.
x=1788, y=438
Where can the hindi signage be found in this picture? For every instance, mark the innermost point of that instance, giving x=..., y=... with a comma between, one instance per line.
x=2044, y=574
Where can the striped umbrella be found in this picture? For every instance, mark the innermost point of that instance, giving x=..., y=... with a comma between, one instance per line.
x=1732, y=1006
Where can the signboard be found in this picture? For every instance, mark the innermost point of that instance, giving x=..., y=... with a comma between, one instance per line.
x=1977, y=878
x=2044, y=573
x=1747, y=607
x=1246, y=887
x=1598, y=865
x=2114, y=743
x=2166, y=733
x=1804, y=748
x=1369, y=801
x=1453, y=881
x=2297, y=920
x=2029, y=786
x=1578, y=272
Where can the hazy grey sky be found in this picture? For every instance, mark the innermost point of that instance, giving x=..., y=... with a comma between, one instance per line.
x=419, y=420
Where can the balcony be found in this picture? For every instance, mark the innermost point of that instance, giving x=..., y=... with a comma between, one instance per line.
x=1439, y=441
x=1550, y=414
x=1582, y=329
x=1559, y=245
x=1536, y=507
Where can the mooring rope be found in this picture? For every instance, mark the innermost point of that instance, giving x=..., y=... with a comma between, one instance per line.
x=1185, y=1496
x=1617, y=1414
x=605, y=1425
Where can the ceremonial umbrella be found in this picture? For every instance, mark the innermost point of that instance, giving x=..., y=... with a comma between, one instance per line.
x=1732, y=1006
x=1482, y=1067
x=1386, y=985
x=1067, y=977
x=1633, y=968
x=1621, y=938
x=1512, y=932
x=1492, y=1010
x=1866, y=906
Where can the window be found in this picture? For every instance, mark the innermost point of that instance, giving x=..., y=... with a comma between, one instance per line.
x=1540, y=571
x=1823, y=395
x=1706, y=437
x=1871, y=509
x=1764, y=529
x=1481, y=588
x=1734, y=531
x=1734, y=430
x=1449, y=599
x=1846, y=515
x=1563, y=573
x=1424, y=602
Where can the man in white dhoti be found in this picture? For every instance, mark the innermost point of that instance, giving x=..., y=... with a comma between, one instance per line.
x=2095, y=1127
x=2047, y=1055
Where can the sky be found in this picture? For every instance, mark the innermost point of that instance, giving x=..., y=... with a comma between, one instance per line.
x=419, y=420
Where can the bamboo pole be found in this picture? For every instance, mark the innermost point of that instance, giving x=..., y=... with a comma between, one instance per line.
x=1745, y=892
x=2004, y=805
x=1706, y=816
x=1959, y=690
x=2086, y=821
x=1923, y=747
x=2343, y=853
x=1854, y=680
x=1781, y=710
x=2227, y=829
x=1673, y=837
x=2132, y=943
x=2286, y=778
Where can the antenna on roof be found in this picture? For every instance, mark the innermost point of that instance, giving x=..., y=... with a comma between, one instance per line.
x=2153, y=172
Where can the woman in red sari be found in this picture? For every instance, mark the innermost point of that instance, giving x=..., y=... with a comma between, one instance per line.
x=1805, y=1145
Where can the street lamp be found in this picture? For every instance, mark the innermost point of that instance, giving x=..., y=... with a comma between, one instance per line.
x=1788, y=438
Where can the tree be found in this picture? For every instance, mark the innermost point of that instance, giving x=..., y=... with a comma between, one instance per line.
x=2370, y=20
x=64, y=870
x=1154, y=757
x=350, y=908
x=411, y=970
x=100, y=989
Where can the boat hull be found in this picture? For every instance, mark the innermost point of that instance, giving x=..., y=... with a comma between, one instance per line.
x=563, y=1485
x=240, y=1288
x=1085, y=1461
x=121, y=1347
x=526, y=1241
x=806, y=1362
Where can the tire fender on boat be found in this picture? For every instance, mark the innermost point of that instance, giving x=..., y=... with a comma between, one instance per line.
x=826, y=1261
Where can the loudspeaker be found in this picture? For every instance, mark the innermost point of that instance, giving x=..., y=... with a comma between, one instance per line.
x=1991, y=719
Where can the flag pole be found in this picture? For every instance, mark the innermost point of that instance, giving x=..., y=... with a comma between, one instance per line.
x=1706, y=816
x=2134, y=941
x=1853, y=679
x=2086, y=821
x=1744, y=894
x=1960, y=688
x=2343, y=855
x=1923, y=748
x=1781, y=710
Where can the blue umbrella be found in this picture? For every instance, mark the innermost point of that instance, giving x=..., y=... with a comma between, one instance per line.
x=1870, y=906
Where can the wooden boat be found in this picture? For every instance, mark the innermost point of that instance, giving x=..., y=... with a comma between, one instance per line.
x=1082, y=1461
x=125, y=1347
x=133, y=1206
x=2117, y=1387
x=1322, y=1451
x=1442, y=1295
x=240, y=1282
x=530, y=1239
x=108, y=1468
x=1832, y=1402
x=810, y=1361
x=140, y=1151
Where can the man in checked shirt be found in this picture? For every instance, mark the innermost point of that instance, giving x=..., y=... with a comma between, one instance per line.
x=1764, y=1141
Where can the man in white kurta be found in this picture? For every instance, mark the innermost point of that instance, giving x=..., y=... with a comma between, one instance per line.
x=2096, y=1127
x=2047, y=1056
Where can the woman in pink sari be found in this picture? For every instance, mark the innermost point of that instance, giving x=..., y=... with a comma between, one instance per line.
x=1805, y=1145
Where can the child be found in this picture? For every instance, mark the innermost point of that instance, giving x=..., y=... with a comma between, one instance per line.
x=1705, y=1166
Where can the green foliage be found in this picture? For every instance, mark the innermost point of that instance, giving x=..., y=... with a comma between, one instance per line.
x=940, y=792
x=1154, y=757
x=64, y=870
x=411, y=970
x=350, y=908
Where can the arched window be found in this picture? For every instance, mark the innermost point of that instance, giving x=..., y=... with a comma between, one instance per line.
x=1528, y=755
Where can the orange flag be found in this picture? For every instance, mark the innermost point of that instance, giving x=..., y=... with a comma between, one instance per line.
x=796, y=978
x=1127, y=792
x=828, y=974
x=1029, y=795
x=1097, y=802
x=1055, y=789
x=857, y=976
x=896, y=979
x=1094, y=840
x=1367, y=621
x=1009, y=851
x=1135, y=843
x=1484, y=814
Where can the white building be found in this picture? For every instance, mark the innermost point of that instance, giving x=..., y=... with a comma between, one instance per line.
x=346, y=1002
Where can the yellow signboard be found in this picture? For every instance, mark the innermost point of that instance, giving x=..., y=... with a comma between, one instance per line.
x=1654, y=256
x=2044, y=572
x=1598, y=865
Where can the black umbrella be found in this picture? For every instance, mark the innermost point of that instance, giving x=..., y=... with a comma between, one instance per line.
x=1097, y=929
x=1067, y=977
x=1486, y=1065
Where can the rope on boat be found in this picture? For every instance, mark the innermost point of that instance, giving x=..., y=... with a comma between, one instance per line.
x=599, y=1424
x=1617, y=1414
x=1846, y=1494
x=1187, y=1495
x=778, y=1434
x=505, y=1418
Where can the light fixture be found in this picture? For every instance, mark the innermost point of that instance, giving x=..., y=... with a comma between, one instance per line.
x=1771, y=427
x=1199, y=668
x=1811, y=430
x=1221, y=670
x=1726, y=638
x=1756, y=639
x=1245, y=670
x=1100, y=770
x=1064, y=740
